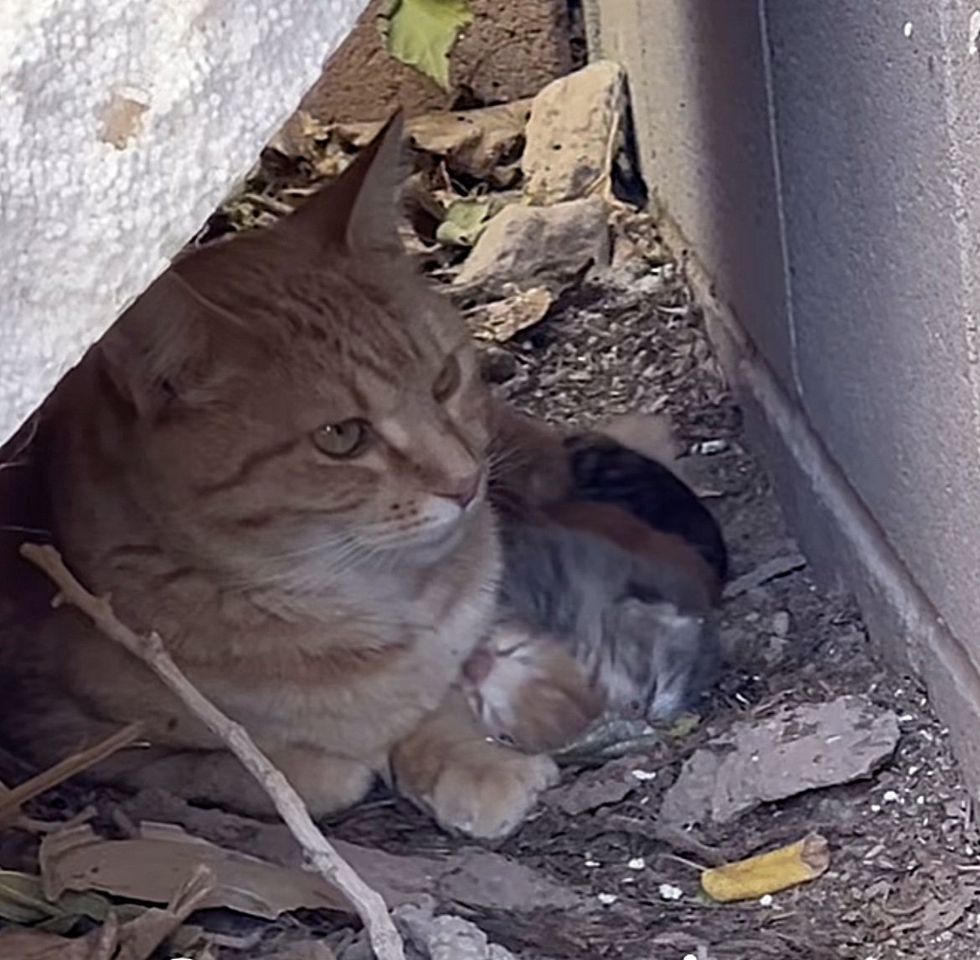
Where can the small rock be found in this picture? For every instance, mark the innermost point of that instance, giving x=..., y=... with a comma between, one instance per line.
x=446, y=937
x=669, y=892
x=535, y=246
x=709, y=448
x=497, y=365
x=644, y=774
x=780, y=623
x=775, y=650
x=801, y=748
x=571, y=132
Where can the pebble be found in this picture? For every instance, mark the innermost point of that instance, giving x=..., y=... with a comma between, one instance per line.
x=708, y=448
x=669, y=892
x=780, y=623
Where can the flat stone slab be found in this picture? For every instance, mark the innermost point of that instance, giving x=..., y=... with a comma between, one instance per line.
x=804, y=747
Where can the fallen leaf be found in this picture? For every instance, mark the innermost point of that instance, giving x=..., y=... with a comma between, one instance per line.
x=22, y=901
x=613, y=737
x=463, y=222
x=478, y=878
x=501, y=320
x=421, y=33
x=769, y=872
x=136, y=940
x=804, y=747
x=32, y=945
x=139, y=938
x=152, y=866
x=473, y=142
x=684, y=725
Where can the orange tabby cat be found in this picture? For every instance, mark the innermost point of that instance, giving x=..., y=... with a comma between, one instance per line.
x=276, y=458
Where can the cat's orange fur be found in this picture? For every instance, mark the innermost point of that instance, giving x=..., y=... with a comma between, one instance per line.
x=328, y=604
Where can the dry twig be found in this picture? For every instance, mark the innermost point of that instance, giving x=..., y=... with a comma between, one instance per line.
x=12, y=798
x=319, y=853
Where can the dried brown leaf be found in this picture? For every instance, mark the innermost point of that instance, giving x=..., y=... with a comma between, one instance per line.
x=480, y=878
x=33, y=945
x=503, y=319
x=152, y=866
x=473, y=142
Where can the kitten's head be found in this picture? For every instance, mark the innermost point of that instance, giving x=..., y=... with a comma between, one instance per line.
x=296, y=398
x=528, y=691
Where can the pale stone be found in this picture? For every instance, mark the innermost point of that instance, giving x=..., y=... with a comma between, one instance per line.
x=536, y=246
x=800, y=748
x=572, y=134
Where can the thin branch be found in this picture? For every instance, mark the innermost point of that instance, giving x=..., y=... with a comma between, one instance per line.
x=13, y=798
x=320, y=855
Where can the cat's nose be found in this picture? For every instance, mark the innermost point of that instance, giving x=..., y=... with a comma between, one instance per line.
x=461, y=490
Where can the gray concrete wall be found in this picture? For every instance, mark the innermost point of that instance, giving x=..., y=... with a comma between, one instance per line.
x=821, y=161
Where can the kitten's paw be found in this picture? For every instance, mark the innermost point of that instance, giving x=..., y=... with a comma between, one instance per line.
x=490, y=794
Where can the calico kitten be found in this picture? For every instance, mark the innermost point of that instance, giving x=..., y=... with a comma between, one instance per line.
x=277, y=459
x=617, y=566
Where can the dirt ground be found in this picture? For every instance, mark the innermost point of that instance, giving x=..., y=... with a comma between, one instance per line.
x=904, y=874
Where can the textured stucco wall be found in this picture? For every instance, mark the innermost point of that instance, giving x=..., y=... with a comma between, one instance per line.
x=822, y=162
x=122, y=125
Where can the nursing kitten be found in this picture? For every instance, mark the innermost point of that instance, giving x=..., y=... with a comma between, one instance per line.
x=612, y=567
x=277, y=459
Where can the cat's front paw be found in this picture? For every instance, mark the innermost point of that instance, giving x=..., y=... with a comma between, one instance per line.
x=489, y=794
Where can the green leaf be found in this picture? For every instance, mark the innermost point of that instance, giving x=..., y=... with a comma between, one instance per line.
x=464, y=222
x=421, y=33
x=22, y=901
x=685, y=725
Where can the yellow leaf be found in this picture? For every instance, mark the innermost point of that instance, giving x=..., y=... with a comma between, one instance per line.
x=770, y=872
x=421, y=33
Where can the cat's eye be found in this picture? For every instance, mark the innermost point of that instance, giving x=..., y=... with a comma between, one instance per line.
x=342, y=440
x=447, y=382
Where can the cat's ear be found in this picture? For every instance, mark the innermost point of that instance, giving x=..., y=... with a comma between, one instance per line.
x=158, y=350
x=358, y=211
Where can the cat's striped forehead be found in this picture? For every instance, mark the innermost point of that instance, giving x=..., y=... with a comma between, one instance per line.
x=360, y=324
